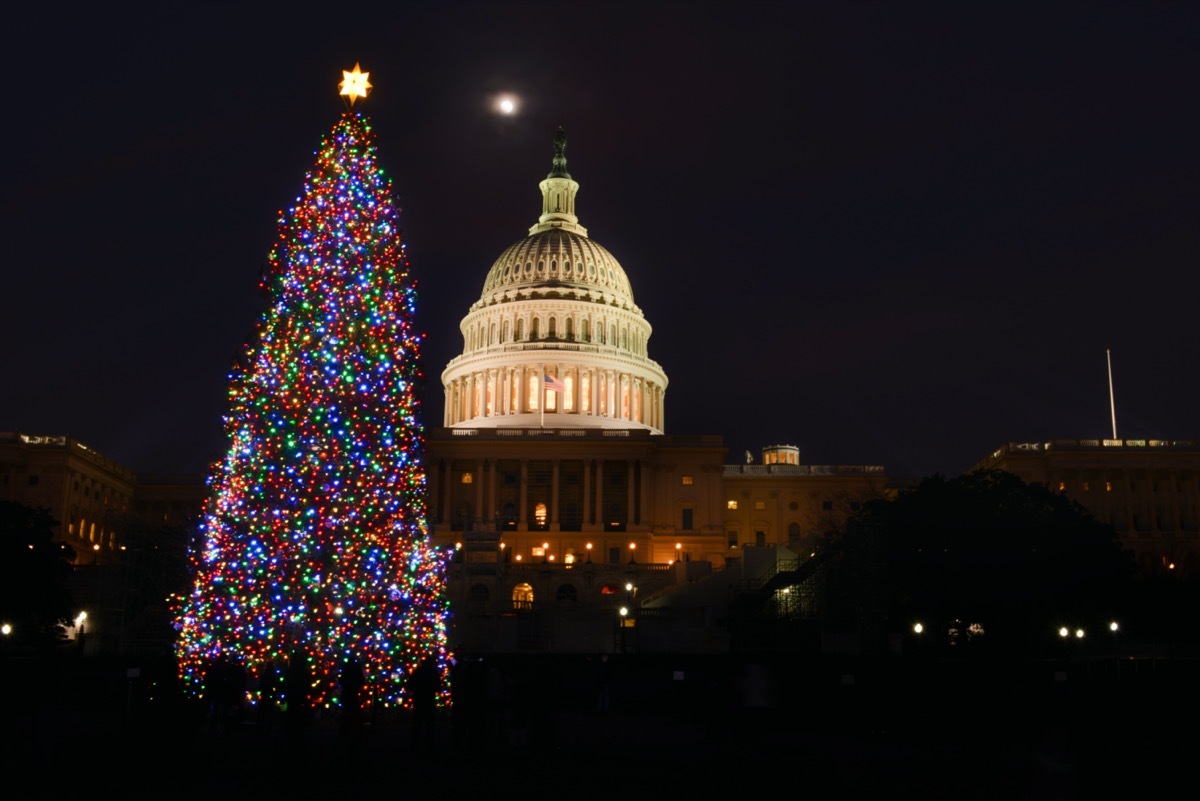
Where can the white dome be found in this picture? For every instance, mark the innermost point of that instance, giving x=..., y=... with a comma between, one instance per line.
x=557, y=260
x=556, y=308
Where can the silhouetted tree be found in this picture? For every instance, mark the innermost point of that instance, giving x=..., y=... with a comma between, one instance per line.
x=35, y=571
x=983, y=557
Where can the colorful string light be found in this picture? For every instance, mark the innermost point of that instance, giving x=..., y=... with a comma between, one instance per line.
x=314, y=542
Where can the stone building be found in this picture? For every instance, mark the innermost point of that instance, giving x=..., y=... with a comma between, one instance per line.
x=92, y=497
x=1148, y=490
x=556, y=483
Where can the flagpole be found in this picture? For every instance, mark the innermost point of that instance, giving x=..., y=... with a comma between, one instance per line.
x=1111, y=403
x=542, y=398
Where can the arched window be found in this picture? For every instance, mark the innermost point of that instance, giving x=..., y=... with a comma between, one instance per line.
x=534, y=391
x=550, y=328
x=534, y=330
x=504, y=332
x=570, y=329
x=566, y=594
x=520, y=330
x=479, y=593
x=522, y=596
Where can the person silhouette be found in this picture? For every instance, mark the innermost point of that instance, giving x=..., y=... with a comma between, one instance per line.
x=351, y=680
x=296, y=684
x=424, y=684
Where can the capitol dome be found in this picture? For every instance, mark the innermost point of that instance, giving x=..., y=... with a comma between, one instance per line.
x=555, y=339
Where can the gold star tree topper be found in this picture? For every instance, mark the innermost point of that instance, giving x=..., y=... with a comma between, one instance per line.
x=354, y=84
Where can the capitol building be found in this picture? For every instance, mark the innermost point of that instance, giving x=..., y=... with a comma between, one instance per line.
x=577, y=522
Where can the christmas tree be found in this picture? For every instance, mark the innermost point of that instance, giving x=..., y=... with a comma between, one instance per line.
x=313, y=550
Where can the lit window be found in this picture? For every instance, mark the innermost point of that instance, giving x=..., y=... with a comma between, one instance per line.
x=1087, y=487
x=1108, y=486
x=1062, y=486
x=539, y=514
x=731, y=504
x=687, y=481
x=522, y=595
x=760, y=505
x=467, y=478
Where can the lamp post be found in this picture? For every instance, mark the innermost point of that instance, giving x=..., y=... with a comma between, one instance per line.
x=1115, y=628
x=1079, y=635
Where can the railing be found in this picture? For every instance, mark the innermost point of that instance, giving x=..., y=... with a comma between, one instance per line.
x=587, y=433
x=801, y=470
x=782, y=566
x=577, y=567
x=1090, y=444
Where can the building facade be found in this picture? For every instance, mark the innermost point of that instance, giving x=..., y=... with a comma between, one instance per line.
x=1148, y=490
x=559, y=490
x=92, y=497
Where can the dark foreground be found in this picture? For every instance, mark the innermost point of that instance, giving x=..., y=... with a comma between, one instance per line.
x=732, y=728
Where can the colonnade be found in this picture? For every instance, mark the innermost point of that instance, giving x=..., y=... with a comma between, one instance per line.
x=485, y=479
x=590, y=392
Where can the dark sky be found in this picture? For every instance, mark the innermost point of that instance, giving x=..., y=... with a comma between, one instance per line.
x=899, y=234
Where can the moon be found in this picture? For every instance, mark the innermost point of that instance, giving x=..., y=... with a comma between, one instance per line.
x=507, y=105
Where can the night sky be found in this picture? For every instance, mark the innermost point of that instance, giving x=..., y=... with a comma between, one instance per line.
x=897, y=234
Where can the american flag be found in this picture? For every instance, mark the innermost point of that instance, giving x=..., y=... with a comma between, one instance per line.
x=554, y=384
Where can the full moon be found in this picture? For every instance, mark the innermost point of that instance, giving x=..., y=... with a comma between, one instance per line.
x=507, y=105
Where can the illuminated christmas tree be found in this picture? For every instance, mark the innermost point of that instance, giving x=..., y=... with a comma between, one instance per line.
x=314, y=544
